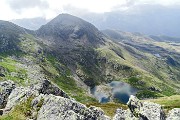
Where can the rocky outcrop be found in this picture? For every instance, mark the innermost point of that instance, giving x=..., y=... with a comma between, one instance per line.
x=174, y=114
x=5, y=90
x=140, y=111
x=59, y=108
x=48, y=102
x=21, y=94
x=145, y=111
x=18, y=95
x=46, y=87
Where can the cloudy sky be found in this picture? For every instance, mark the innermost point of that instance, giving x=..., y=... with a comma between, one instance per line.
x=16, y=9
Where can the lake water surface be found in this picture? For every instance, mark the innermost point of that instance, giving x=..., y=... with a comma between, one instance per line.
x=119, y=90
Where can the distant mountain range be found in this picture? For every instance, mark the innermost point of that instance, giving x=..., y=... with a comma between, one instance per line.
x=154, y=20
x=31, y=23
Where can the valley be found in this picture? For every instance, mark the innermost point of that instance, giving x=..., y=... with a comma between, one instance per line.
x=100, y=68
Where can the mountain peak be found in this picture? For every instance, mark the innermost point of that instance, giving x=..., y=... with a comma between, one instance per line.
x=66, y=27
x=68, y=19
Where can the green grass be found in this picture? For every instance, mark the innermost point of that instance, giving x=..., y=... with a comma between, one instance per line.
x=69, y=85
x=9, y=64
x=12, y=72
x=109, y=108
x=148, y=94
x=28, y=43
x=62, y=77
x=20, y=112
x=168, y=103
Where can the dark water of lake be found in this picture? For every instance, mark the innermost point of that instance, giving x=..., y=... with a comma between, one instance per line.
x=120, y=91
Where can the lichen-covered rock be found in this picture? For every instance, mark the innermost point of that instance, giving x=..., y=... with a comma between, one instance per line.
x=151, y=111
x=146, y=110
x=124, y=115
x=5, y=89
x=140, y=111
x=59, y=108
x=19, y=94
x=48, y=102
x=174, y=114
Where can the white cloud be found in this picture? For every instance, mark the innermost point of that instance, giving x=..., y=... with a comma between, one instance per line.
x=13, y=9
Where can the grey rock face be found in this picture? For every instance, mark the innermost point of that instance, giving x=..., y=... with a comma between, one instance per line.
x=2, y=70
x=124, y=115
x=59, y=108
x=51, y=103
x=146, y=110
x=141, y=111
x=5, y=90
x=46, y=87
x=174, y=114
x=19, y=94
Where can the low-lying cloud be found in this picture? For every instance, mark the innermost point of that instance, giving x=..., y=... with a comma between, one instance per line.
x=20, y=5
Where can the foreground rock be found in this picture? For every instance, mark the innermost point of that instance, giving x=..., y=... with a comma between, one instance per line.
x=6, y=88
x=58, y=108
x=48, y=102
x=174, y=114
x=145, y=110
x=140, y=111
x=46, y=87
x=124, y=115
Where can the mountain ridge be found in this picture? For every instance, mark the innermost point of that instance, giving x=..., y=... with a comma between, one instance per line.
x=84, y=58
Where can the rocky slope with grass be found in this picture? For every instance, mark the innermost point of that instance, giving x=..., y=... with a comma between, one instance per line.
x=76, y=56
x=46, y=101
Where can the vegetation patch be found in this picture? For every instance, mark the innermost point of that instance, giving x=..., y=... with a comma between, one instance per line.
x=12, y=71
x=168, y=103
x=148, y=94
x=109, y=108
x=20, y=112
x=69, y=85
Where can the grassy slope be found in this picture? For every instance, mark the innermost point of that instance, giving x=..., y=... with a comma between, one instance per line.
x=121, y=64
x=168, y=103
x=142, y=70
x=12, y=72
x=109, y=108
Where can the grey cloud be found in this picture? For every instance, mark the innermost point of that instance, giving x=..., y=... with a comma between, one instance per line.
x=74, y=11
x=18, y=5
x=130, y=2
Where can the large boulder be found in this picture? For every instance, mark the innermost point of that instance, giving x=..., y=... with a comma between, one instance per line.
x=140, y=111
x=48, y=102
x=21, y=94
x=145, y=110
x=18, y=95
x=174, y=114
x=6, y=88
x=59, y=108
